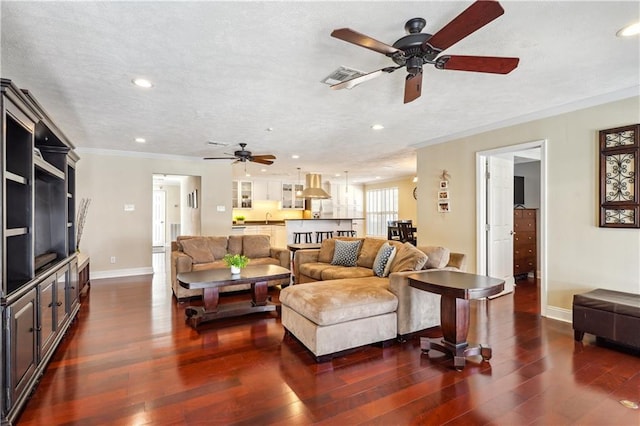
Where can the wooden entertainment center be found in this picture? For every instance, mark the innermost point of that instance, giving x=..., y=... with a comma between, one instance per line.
x=39, y=295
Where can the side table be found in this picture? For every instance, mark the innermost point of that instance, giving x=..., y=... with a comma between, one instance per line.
x=456, y=289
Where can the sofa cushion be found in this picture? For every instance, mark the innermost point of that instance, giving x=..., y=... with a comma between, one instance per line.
x=408, y=258
x=339, y=272
x=438, y=257
x=218, y=246
x=263, y=261
x=346, y=253
x=383, y=260
x=369, y=251
x=339, y=301
x=216, y=264
x=198, y=249
x=254, y=246
x=234, y=245
x=314, y=269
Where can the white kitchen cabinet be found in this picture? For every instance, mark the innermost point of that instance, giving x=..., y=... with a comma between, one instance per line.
x=267, y=190
x=242, y=194
x=289, y=198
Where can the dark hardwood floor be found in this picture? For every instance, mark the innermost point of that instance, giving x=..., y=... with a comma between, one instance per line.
x=130, y=359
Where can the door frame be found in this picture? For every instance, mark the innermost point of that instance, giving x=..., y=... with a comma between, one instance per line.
x=481, y=210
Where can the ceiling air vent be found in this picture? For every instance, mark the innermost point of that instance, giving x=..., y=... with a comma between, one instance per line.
x=342, y=74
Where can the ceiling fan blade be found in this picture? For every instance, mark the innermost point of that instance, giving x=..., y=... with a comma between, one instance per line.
x=261, y=161
x=490, y=64
x=413, y=87
x=219, y=158
x=264, y=157
x=350, y=36
x=471, y=19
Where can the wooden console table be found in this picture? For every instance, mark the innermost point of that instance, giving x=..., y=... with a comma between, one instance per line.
x=212, y=279
x=456, y=289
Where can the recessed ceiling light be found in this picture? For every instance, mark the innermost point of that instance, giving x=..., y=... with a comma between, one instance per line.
x=263, y=170
x=247, y=175
x=629, y=30
x=142, y=82
x=377, y=127
x=337, y=175
x=295, y=156
x=377, y=177
x=269, y=129
x=141, y=140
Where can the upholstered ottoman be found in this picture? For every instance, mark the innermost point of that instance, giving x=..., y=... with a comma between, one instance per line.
x=608, y=314
x=332, y=316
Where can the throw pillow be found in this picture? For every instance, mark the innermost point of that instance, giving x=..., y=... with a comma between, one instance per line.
x=346, y=253
x=382, y=262
x=408, y=258
x=198, y=249
x=438, y=257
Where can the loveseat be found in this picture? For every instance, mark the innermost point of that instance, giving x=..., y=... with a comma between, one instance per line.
x=334, y=307
x=197, y=253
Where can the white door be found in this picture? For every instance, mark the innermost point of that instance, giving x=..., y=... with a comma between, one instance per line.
x=159, y=221
x=500, y=219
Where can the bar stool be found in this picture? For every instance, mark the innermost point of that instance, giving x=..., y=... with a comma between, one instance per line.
x=321, y=235
x=297, y=236
x=346, y=233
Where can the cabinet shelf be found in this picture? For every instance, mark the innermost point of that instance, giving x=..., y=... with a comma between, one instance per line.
x=14, y=232
x=50, y=169
x=16, y=178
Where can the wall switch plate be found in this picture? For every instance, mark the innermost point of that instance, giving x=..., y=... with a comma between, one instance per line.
x=113, y=259
x=129, y=207
x=221, y=208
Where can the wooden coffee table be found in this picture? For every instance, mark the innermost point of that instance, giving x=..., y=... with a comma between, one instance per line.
x=211, y=280
x=456, y=289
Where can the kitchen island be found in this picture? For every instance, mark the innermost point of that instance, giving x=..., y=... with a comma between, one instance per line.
x=323, y=224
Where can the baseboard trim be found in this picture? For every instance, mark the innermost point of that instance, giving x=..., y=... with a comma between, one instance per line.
x=560, y=314
x=116, y=273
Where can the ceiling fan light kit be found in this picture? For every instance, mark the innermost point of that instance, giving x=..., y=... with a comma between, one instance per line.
x=416, y=49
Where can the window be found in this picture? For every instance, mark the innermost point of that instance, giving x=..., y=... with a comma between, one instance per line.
x=382, y=206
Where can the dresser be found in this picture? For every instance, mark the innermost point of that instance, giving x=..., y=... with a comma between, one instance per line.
x=524, y=242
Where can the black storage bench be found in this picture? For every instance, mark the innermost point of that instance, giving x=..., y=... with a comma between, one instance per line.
x=612, y=315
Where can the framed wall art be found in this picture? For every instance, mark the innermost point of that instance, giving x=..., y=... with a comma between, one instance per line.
x=619, y=189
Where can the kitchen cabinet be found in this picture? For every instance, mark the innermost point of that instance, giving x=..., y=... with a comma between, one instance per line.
x=242, y=194
x=289, y=198
x=267, y=190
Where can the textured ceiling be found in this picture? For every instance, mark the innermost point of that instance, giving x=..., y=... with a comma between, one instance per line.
x=227, y=71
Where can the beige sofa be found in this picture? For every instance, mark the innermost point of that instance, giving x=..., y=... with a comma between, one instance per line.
x=333, y=308
x=197, y=253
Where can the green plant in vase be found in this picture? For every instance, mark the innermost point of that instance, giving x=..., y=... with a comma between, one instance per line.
x=240, y=219
x=236, y=262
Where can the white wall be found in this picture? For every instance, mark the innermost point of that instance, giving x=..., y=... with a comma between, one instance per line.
x=531, y=173
x=580, y=255
x=114, y=179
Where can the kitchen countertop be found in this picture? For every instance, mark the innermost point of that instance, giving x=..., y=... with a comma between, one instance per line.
x=259, y=223
x=329, y=218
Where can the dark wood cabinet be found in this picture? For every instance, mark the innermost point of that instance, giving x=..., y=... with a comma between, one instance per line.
x=38, y=264
x=525, y=251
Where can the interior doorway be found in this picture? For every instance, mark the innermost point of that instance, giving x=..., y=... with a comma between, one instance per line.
x=495, y=171
x=176, y=208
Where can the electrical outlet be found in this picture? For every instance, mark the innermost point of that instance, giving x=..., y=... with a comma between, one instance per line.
x=113, y=259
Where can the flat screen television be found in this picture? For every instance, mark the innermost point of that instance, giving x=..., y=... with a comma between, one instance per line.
x=518, y=190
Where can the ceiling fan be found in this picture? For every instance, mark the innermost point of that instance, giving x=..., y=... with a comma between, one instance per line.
x=243, y=156
x=416, y=48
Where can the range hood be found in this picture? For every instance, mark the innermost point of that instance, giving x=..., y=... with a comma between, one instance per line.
x=313, y=188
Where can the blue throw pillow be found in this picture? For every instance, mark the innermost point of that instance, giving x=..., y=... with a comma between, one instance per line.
x=346, y=253
x=382, y=263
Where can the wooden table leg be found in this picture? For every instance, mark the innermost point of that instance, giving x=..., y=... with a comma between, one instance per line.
x=454, y=321
x=259, y=293
x=211, y=297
